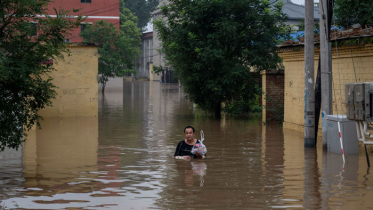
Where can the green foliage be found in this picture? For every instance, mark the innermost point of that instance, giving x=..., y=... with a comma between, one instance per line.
x=349, y=12
x=302, y=26
x=128, y=26
x=248, y=103
x=213, y=46
x=158, y=69
x=142, y=9
x=118, y=50
x=244, y=106
x=25, y=86
x=353, y=42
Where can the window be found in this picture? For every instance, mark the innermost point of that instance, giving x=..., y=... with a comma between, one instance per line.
x=85, y=1
x=83, y=26
x=33, y=29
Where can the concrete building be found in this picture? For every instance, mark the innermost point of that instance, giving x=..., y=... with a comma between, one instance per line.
x=143, y=63
x=158, y=57
x=93, y=10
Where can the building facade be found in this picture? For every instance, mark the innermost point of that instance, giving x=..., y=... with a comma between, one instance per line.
x=145, y=59
x=158, y=57
x=93, y=10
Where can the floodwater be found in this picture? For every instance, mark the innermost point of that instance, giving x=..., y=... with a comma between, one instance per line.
x=122, y=160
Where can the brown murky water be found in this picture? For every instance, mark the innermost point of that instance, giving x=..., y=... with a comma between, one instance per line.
x=122, y=160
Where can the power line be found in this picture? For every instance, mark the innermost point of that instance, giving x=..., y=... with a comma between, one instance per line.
x=101, y=12
x=79, y=36
x=117, y=8
x=100, y=9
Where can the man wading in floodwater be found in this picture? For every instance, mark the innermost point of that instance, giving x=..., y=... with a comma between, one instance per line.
x=184, y=148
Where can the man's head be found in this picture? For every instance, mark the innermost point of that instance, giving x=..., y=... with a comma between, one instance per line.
x=189, y=132
x=189, y=127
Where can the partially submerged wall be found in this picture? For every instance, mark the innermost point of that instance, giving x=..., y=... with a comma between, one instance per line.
x=344, y=60
x=76, y=81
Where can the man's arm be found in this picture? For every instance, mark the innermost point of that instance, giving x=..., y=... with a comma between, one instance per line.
x=177, y=151
x=185, y=157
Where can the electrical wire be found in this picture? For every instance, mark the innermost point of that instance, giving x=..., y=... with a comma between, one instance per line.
x=353, y=64
x=99, y=9
x=84, y=15
x=340, y=96
x=339, y=76
x=101, y=12
x=79, y=36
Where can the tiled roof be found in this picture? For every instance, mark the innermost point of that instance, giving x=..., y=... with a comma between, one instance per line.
x=147, y=35
x=336, y=34
x=296, y=11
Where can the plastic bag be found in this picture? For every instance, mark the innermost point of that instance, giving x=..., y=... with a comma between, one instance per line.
x=199, y=148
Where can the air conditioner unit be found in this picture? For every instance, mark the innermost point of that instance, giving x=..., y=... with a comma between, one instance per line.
x=358, y=97
x=349, y=98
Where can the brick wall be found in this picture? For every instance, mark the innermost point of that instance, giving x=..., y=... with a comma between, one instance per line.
x=358, y=57
x=97, y=10
x=273, y=100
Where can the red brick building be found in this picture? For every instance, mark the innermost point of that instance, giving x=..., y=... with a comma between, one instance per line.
x=94, y=10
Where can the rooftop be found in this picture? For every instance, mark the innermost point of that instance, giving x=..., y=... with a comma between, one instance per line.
x=296, y=11
x=353, y=32
x=147, y=35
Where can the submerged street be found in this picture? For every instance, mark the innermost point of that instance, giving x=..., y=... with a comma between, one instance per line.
x=122, y=160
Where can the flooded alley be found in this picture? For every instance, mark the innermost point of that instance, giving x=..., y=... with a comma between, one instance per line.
x=122, y=160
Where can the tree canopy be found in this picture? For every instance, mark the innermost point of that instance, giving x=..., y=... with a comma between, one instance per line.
x=214, y=46
x=118, y=49
x=349, y=12
x=128, y=25
x=26, y=42
x=142, y=9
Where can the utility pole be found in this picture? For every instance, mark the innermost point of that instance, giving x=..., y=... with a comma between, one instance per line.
x=309, y=75
x=326, y=69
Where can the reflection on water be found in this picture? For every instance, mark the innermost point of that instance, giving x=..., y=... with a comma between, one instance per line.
x=122, y=160
x=11, y=177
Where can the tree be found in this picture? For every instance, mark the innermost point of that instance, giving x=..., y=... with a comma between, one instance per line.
x=349, y=12
x=25, y=86
x=214, y=45
x=128, y=25
x=118, y=50
x=142, y=9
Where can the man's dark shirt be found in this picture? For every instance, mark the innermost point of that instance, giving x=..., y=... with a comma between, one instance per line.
x=183, y=149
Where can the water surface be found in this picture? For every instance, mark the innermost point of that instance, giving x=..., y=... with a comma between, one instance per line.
x=122, y=160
